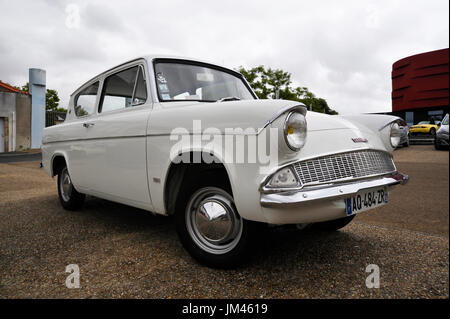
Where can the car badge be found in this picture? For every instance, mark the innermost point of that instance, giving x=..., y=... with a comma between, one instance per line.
x=359, y=140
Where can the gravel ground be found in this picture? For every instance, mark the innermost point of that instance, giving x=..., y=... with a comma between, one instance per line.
x=126, y=252
x=422, y=204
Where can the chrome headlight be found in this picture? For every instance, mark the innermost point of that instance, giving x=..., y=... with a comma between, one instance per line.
x=395, y=135
x=295, y=130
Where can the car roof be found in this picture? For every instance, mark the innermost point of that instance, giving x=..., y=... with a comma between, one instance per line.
x=151, y=57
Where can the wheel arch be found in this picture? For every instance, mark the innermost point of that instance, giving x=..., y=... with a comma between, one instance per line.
x=59, y=159
x=179, y=173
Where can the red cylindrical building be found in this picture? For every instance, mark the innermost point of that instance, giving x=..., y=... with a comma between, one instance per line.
x=420, y=86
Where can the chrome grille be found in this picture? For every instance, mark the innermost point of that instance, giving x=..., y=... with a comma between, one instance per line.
x=349, y=165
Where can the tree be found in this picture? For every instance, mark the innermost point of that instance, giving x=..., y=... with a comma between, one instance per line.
x=51, y=99
x=271, y=84
x=26, y=87
x=266, y=82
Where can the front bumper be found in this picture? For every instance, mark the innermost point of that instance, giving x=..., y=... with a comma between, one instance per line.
x=318, y=204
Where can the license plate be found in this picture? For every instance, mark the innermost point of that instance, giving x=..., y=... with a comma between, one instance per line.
x=367, y=199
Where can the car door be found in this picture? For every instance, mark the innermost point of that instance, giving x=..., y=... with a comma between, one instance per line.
x=116, y=138
x=75, y=133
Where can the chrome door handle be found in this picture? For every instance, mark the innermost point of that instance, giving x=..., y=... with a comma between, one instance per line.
x=87, y=124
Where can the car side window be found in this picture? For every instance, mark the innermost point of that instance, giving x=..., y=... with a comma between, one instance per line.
x=123, y=89
x=85, y=100
x=140, y=91
x=118, y=90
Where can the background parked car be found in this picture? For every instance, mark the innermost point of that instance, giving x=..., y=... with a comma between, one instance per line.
x=424, y=127
x=441, y=139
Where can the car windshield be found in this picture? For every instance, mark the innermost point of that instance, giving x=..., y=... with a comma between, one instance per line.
x=424, y=122
x=445, y=120
x=177, y=81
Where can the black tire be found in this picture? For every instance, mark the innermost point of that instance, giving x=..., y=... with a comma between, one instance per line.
x=69, y=197
x=333, y=225
x=436, y=145
x=196, y=243
x=406, y=144
x=432, y=131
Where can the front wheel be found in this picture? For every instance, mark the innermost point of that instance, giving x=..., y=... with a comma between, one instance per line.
x=68, y=196
x=211, y=229
x=333, y=225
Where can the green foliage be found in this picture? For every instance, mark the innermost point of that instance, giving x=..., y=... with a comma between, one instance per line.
x=80, y=111
x=51, y=99
x=26, y=87
x=267, y=82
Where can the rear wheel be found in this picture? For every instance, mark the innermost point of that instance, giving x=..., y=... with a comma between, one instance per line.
x=333, y=225
x=68, y=196
x=211, y=230
x=432, y=131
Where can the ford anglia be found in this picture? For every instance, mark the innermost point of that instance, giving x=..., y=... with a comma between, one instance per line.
x=190, y=139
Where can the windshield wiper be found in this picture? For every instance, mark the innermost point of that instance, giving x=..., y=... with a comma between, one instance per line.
x=229, y=98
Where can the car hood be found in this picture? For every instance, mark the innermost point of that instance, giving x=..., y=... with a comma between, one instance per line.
x=327, y=134
x=245, y=114
x=254, y=114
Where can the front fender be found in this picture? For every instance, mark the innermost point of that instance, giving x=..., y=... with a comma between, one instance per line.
x=374, y=123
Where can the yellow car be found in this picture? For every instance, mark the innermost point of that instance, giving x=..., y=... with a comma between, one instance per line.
x=424, y=127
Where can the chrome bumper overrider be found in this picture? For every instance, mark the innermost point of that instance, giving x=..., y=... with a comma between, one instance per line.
x=293, y=198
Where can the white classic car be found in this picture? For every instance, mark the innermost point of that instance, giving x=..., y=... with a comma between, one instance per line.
x=175, y=136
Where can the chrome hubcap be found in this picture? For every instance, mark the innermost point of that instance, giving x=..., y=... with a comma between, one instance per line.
x=212, y=220
x=65, y=185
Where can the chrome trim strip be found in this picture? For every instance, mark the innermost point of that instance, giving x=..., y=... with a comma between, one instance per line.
x=93, y=138
x=300, y=107
x=315, y=186
x=143, y=135
x=298, y=198
x=387, y=124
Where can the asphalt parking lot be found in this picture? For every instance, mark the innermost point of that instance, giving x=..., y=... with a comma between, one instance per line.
x=126, y=252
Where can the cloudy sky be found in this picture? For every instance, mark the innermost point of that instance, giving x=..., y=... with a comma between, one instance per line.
x=341, y=50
